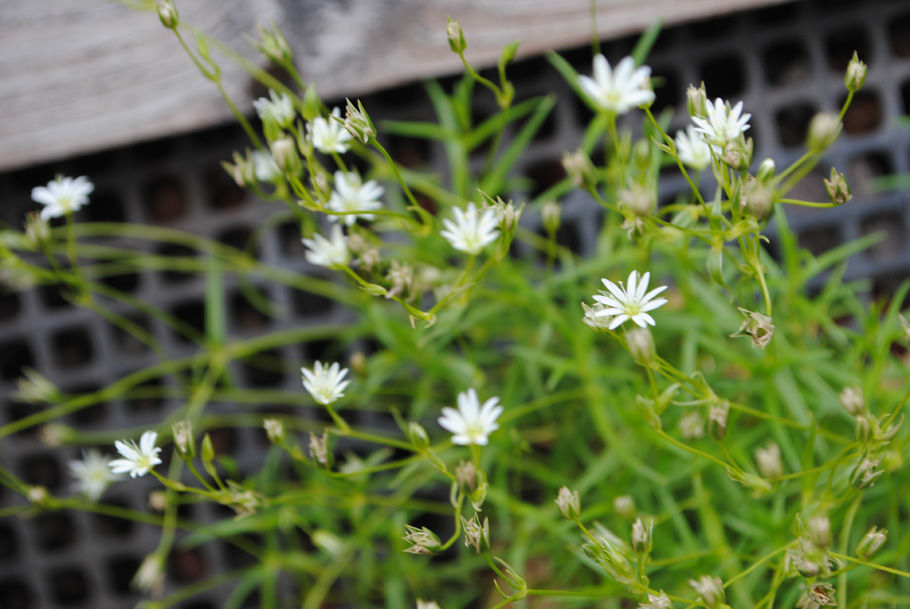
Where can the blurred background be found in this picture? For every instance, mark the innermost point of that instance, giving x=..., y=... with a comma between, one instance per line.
x=92, y=88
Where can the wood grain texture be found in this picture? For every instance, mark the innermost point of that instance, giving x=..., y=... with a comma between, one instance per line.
x=78, y=76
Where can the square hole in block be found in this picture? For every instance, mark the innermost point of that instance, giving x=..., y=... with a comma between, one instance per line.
x=186, y=566
x=149, y=399
x=15, y=594
x=289, y=238
x=178, y=273
x=840, y=44
x=891, y=225
x=310, y=305
x=324, y=350
x=793, y=123
x=165, y=200
x=109, y=526
x=128, y=282
x=821, y=239
x=724, y=75
x=865, y=168
x=266, y=369
x=239, y=237
x=9, y=544
x=544, y=174
x=53, y=531
x=668, y=89
x=899, y=35
x=72, y=347
x=786, y=63
x=120, y=572
x=90, y=415
x=192, y=315
x=16, y=411
x=17, y=354
x=781, y=14
x=865, y=113
x=41, y=470
x=221, y=192
x=52, y=297
x=410, y=152
x=10, y=305
x=68, y=586
x=715, y=28
x=105, y=206
x=246, y=317
x=127, y=343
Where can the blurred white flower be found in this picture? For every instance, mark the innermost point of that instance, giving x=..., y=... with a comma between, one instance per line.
x=328, y=135
x=325, y=383
x=92, y=474
x=279, y=108
x=631, y=302
x=722, y=124
x=137, y=459
x=471, y=423
x=264, y=166
x=62, y=195
x=353, y=194
x=471, y=231
x=692, y=148
x=618, y=89
x=328, y=252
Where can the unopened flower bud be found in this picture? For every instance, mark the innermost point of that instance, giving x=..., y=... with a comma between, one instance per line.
x=823, y=130
x=863, y=430
x=738, y=153
x=551, y=216
x=167, y=13
x=641, y=345
x=319, y=449
x=37, y=495
x=569, y=503
x=357, y=121
x=242, y=170
x=817, y=595
x=422, y=540
x=837, y=188
x=866, y=473
x=657, y=601
x=766, y=171
x=37, y=230
x=55, y=435
x=874, y=539
x=478, y=495
x=856, y=74
x=35, y=388
x=422, y=604
x=641, y=536
x=183, y=439
x=455, y=35
x=710, y=589
x=274, y=429
x=274, y=45
x=284, y=151
x=820, y=531
x=696, y=100
x=625, y=506
x=476, y=535
x=769, y=461
x=691, y=426
x=578, y=167
x=149, y=577
x=757, y=326
x=466, y=474
x=418, y=435
x=158, y=500
x=639, y=200
x=851, y=398
x=717, y=419
x=757, y=199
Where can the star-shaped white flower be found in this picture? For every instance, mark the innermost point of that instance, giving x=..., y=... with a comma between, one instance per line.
x=264, y=166
x=618, y=89
x=325, y=383
x=61, y=195
x=328, y=252
x=328, y=135
x=471, y=423
x=692, y=148
x=631, y=302
x=472, y=230
x=137, y=459
x=280, y=108
x=722, y=123
x=353, y=194
x=92, y=474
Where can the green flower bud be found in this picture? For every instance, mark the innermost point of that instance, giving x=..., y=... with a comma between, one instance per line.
x=456, y=36
x=856, y=74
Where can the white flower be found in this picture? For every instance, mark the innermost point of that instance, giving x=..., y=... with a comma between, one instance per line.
x=657, y=601
x=279, y=108
x=264, y=166
x=62, y=195
x=471, y=423
x=328, y=135
x=137, y=460
x=721, y=123
x=92, y=474
x=352, y=194
x=325, y=383
x=471, y=232
x=328, y=252
x=692, y=148
x=620, y=89
x=630, y=302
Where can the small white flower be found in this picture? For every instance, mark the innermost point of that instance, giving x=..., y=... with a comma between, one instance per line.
x=328, y=252
x=631, y=302
x=471, y=232
x=722, y=124
x=692, y=148
x=137, y=459
x=92, y=474
x=471, y=423
x=328, y=135
x=657, y=601
x=280, y=108
x=353, y=194
x=62, y=195
x=264, y=166
x=620, y=89
x=325, y=383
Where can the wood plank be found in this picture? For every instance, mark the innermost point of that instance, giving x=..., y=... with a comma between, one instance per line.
x=78, y=76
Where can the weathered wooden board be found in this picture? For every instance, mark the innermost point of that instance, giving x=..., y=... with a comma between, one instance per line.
x=83, y=75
